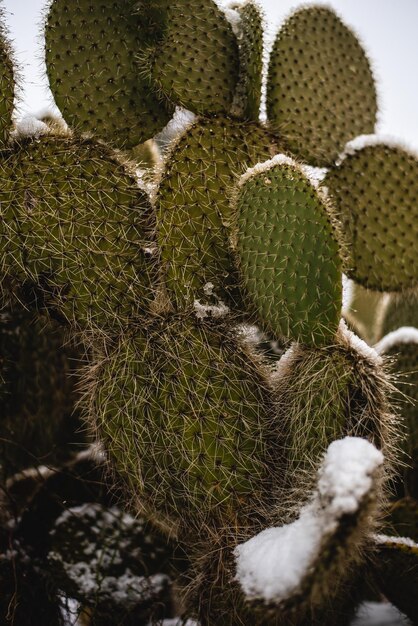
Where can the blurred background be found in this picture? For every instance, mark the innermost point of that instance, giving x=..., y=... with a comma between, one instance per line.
x=387, y=28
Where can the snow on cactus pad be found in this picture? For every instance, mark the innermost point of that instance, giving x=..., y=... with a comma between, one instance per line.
x=249, y=31
x=320, y=90
x=277, y=564
x=374, y=189
x=288, y=252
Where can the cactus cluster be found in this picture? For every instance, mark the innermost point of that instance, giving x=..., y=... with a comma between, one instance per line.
x=170, y=277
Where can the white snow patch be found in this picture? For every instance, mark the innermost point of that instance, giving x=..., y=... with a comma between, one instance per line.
x=70, y=611
x=348, y=292
x=379, y=614
x=210, y=310
x=359, y=345
x=30, y=126
x=208, y=289
x=404, y=334
x=396, y=541
x=282, y=367
x=364, y=141
x=314, y=174
x=234, y=18
x=179, y=123
x=272, y=565
x=260, y=168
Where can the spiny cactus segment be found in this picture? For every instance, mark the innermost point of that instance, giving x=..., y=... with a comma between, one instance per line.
x=90, y=53
x=327, y=393
x=195, y=61
x=193, y=209
x=249, y=20
x=288, y=253
x=204, y=433
x=320, y=89
x=7, y=84
x=374, y=190
x=402, y=346
x=37, y=395
x=332, y=513
x=74, y=221
x=396, y=572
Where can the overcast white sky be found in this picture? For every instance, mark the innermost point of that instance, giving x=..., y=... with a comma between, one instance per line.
x=388, y=28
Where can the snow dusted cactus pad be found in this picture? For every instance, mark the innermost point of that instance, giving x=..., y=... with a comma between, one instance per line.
x=288, y=253
x=108, y=560
x=402, y=347
x=301, y=558
x=396, y=571
x=249, y=33
x=325, y=393
x=374, y=190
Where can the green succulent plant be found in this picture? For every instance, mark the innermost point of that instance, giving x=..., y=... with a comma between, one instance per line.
x=242, y=459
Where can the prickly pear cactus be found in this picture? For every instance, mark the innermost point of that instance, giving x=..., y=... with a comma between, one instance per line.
x=270, y=473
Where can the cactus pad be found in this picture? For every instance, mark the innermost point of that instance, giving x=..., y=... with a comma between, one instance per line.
x=396, y=571
x=320, y=90
x=197, y=438
x=250, y=41
x=193, y=209
x=195, y=62
x=7, y=86
x=327, y=393
x=288, y=253
x=73, y=219
x=90, y=56
x=37, y=395
x=374, y=190
x=402, y=346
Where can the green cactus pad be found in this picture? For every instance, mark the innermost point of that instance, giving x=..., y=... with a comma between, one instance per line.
x=327, y=393
x=187, y=418
x=73, y=219
x=90, y=57
x=320, y=90
x=374, y=189
x=396, y=571
x=288, y=253
x=7, y=85
x=193, y=209
x=402, y=346
x=37, y=391
x=250, y=41
x=195, y=62
x=401, y=311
